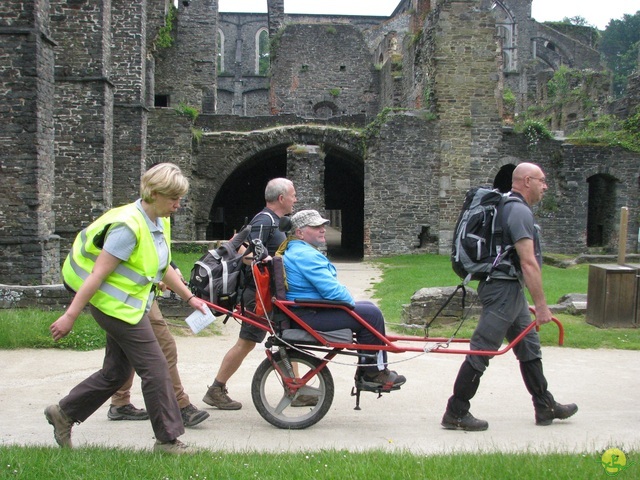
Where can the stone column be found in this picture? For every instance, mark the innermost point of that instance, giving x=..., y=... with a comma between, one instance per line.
x=305, y=168
x=84, y=115
x=275, y=13
x=29, y=250
x=130, y=109
x=465, y=87
x=193, y=58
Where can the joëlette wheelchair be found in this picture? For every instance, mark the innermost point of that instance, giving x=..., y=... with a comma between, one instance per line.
x=298, y=356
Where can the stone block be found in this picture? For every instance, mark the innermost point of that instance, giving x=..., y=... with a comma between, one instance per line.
x=426, y=302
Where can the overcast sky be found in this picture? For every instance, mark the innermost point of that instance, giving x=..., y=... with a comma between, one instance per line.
x=597, y=13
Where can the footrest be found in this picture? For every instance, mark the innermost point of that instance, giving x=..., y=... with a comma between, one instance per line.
x=374, y=387
x=297, y=335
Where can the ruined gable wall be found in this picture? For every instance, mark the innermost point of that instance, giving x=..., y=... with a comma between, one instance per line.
x=323, y=65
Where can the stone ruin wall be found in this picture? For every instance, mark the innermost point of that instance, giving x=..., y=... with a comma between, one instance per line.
x=105, y=139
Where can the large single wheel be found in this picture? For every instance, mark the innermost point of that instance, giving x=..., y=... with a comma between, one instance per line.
x=271, y=399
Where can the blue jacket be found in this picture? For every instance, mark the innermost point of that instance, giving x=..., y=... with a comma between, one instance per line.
x=310, y=275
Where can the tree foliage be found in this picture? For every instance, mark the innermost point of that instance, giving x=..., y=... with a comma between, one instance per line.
x=619, y=46
x=577, y=20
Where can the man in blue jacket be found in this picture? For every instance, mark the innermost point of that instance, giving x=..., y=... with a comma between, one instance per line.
x=310, y=275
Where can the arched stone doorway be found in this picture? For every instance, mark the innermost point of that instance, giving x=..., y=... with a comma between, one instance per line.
x=601, y=210
x=502, y=180
x=344, y=192
x=241, y=196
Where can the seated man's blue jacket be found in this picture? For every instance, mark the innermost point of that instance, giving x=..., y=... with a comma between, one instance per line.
x=310, y=275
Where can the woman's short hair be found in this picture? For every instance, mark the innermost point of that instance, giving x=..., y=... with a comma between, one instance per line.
x=165, y=179
x=275, y=188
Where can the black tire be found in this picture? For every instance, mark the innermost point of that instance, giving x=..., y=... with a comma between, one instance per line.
x=274, y=405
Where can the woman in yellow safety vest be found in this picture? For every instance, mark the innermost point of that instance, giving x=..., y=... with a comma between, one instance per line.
x=114, y=267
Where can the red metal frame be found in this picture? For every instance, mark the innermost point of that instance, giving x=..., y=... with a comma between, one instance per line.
x=390, y=343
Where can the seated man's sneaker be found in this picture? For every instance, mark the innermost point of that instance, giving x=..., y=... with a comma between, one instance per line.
x=386, y=379
x=304, y=401
x=127, y=412
x=465, y=422
x=61, y=425
x=559, y=412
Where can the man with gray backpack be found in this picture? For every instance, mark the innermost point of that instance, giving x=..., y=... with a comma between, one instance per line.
x=280, y=197
x=505, y=312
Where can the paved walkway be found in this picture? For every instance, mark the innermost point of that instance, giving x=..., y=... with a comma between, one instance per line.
x=604, y=383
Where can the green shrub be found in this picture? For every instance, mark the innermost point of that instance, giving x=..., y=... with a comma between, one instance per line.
x=509, y=98
x=188, y=110
x=534, y=131
x=608, y=130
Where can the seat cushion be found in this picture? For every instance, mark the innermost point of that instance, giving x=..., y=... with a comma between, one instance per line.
x=297, y=335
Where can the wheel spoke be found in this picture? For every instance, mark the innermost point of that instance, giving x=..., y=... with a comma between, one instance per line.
x=282, y=404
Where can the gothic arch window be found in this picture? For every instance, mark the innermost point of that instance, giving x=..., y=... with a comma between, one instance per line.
x=506, y=31
x=262, y=52
x=220, y=51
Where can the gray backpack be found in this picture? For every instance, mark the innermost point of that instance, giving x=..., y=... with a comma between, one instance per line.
x=215, y=276
x=478, y=247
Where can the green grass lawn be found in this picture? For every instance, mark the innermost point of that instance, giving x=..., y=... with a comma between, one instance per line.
x=44, y=463
x=402, y=276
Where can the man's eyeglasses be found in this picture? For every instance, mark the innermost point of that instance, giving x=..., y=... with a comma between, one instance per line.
x=541, y=180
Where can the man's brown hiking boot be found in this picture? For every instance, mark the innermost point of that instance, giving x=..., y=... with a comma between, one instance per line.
x=217, y=397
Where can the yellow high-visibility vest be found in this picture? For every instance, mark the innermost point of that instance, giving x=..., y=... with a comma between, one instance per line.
x=125, y=292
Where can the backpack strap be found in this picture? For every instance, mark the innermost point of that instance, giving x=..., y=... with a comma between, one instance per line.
x=502, y=251
x=273, y=224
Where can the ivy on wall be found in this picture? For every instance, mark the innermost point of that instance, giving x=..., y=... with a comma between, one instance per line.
x=165, y=37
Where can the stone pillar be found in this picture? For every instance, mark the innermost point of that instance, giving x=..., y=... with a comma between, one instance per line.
x=193, y=58
x=84, y=115
x=170, y=141
x=465, y=88
x=130, y=108
x=29, y=250
x=275, y=14
x=305, y=168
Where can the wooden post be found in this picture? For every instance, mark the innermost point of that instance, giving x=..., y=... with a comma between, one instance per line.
x=622, y=238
